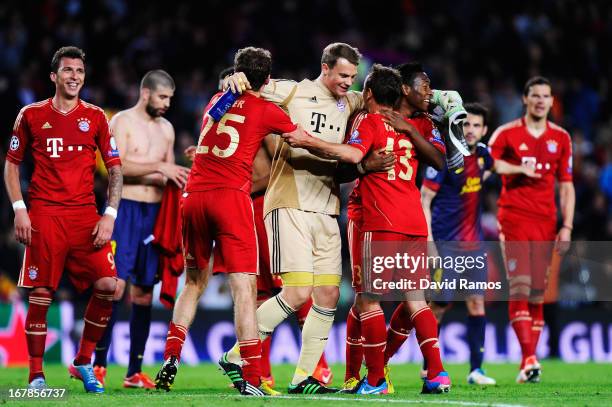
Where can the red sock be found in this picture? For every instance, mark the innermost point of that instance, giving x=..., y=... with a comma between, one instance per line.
x=36, y=331
x=354, y=348
x=426, y=328
x=399, y=330
x=96, y=318
x=175, y=340
x=374, y=342
x=536, y=310
x=266, y=369
x=520, y=319
x=302, y=312
x=323, y=362
x=250, y=352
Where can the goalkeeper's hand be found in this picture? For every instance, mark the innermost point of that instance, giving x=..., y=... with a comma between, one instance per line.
x=449, y=100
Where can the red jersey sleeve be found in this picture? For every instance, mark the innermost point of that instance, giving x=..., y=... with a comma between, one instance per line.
x=564, y=170
x=497, y=144
x=364, y=131
x=430, y=132
x=276, y=120
x=19, y=139
x=106, y=143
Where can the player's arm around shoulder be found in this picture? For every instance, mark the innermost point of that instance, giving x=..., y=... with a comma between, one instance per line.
x=323, y=149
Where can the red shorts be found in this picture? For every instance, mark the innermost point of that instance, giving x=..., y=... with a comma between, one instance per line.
x=225, y=217
x=268, y=284
x=64, y=242
x=373, y=245
x=527, y=247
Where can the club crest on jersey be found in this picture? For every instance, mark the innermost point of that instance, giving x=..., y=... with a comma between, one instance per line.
x=33, y=272
x=14, y=144
x=551, y=145
x=511, y=264
x=83, y=124
x=341, y=106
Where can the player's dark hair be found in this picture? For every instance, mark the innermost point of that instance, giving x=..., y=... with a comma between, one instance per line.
x=255, y=63
x=409, y=72
x=66, y=52
x=478, y=110
x=385, y=84
x=338, y=50
x=156, y=78
x=536, y=80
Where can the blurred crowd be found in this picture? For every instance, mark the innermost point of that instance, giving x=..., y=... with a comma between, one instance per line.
x=486, y=50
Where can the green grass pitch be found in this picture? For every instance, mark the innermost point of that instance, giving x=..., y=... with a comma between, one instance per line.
x=562, y=385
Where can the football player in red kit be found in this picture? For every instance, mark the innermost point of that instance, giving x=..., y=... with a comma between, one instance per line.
x=62, y=229
x=217, y=207
x=528, y=214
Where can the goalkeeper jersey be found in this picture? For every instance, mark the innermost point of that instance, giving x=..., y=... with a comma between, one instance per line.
x=299, y=179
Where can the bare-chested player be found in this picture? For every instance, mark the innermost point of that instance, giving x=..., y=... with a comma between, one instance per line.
x=146, y=146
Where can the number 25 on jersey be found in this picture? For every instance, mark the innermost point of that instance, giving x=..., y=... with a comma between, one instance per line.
x=222, y=129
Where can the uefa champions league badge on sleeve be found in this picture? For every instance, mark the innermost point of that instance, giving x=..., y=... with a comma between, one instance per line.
x=354, y=138
x=14, y=145
x=83, y=124
x=113, y=152
x=341, y=106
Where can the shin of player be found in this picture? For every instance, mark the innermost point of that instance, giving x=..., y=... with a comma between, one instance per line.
x=62, y=229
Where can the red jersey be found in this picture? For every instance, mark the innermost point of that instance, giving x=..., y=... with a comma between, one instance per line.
x=64, y=152
x=226, y=149
x=390, y=201
x=550, y=155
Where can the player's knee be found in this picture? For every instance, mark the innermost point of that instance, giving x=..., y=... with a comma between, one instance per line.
x=196, y=279
x=475, y=305
x=106, y=284
x=142, y=295
x=367, y=303
x=42, y=290
x=326, y=296
x=295, y=297
x=119, y=290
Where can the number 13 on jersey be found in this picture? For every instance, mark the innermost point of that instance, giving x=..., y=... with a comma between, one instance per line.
x=222, y=128
x=405, y=154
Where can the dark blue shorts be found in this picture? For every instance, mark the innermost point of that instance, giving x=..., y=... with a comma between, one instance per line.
x=473, y=272
x=136, y=258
